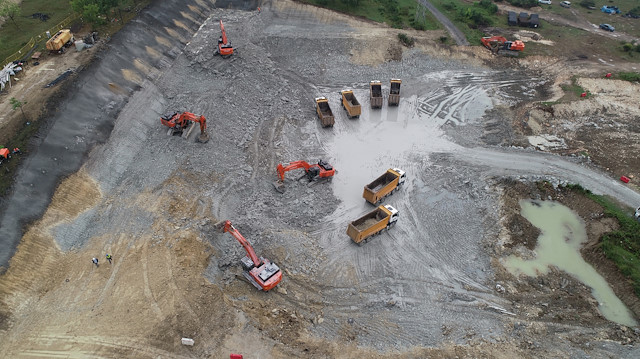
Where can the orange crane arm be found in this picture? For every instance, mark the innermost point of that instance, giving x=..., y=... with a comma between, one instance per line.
x=228, y=227
x=224, y=33
x=291, y=166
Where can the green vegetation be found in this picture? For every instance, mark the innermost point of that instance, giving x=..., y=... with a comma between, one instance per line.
x=575, y=89
x=587, y=3
x=400, y=14
x=469, y=17
x=523, y=3
x=623, y=245
x=10, y=10
x=13, y=38
x=406, y=40
x=628, y=76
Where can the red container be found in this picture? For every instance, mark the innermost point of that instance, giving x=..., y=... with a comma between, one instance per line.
x=584, y=94
x=235, y=356
x=608, y=75
x=624, y=179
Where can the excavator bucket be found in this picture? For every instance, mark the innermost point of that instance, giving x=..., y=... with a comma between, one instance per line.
x=279, y=186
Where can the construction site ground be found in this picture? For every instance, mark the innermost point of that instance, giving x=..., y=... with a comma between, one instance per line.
x=475, y=134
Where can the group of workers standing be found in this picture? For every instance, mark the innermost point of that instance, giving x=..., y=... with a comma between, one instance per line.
x=94, y=260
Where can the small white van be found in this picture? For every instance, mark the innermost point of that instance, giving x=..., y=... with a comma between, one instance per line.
x=565, y=4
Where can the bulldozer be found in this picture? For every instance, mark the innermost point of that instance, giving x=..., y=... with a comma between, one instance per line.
x=313, y=172
x=178, y=123
x=499, y=45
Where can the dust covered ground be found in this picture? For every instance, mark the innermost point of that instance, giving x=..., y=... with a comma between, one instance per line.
x=427, y=288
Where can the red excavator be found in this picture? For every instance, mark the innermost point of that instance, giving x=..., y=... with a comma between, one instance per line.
x=224, y=45
x=320, y=171
x=178, y=122
x=499, y=45
x=260, y=272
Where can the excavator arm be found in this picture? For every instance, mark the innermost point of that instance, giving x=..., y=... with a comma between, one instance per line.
x=282, y=168
x=224, y=33
x=226, y=226
x=262, y=273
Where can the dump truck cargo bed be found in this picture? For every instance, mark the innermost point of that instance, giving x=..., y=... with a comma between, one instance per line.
x=324, y=112
x=375, y=89
x=372, y=223
x=384, y=185
x=351, y=103
x=394, y=92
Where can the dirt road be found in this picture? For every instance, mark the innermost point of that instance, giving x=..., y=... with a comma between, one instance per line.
x=457, y=35
x=426, y=288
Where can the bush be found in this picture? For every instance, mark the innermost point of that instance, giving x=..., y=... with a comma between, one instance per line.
x=627, y=47
x=635, y=11
x=523, y=3
x=587, y=3
x=477, y=18
x=488, y=5
x=406, y=40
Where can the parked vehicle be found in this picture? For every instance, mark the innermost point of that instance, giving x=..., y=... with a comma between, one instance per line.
x=384, y=185
x=324, y=112
x=637, y=214
x=610, y=9
x=546, y=2
x=372, y=223
x=534, y=21
x=350, y=103
x=61, y=40
x=375, y=90
x=512, y=18
x=607, y=27
x=523, y=19
x=566, y=4
x=394, y=92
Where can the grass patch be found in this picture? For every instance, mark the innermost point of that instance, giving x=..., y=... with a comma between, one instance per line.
x=465, y=16
x=575, y=89
x=621, y=246
x=628, y=76
x=400, y=14
x=13, y=37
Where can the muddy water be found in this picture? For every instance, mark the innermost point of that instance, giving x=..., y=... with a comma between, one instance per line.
x=563, y=234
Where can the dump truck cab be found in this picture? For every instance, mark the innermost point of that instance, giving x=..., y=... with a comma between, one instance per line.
x=394, y=214
x=403, y=176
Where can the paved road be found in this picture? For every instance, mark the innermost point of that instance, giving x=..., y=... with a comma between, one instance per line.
x=457, y=35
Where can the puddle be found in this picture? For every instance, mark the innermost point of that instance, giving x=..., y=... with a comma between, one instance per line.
x=562, y=235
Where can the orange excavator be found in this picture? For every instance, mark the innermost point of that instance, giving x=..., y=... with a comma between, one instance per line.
x=499, y=45
x=178, y=123
x=260, y=272
x=224, y=45
x=320, y=171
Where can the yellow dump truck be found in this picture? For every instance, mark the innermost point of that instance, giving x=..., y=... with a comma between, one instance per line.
x=384, y=185
x=324, y=112
x=375, y=89
x=372, y=223
x=62, y=39
x=350, y=103
x=394, y=92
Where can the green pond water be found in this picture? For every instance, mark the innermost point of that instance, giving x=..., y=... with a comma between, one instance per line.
x=562, y=235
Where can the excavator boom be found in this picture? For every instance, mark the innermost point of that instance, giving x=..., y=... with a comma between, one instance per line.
x=180, y=121
x=260, y=272
x=322, y=170
x=224, y=46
